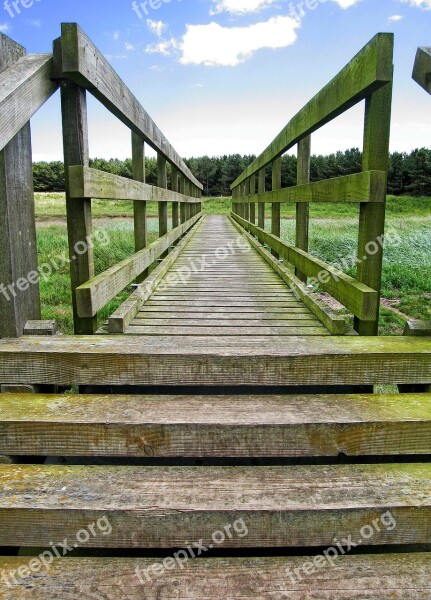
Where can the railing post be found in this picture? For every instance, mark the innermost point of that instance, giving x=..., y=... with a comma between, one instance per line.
x=79, y=220
x=19, y=298
x=372, y=214
x=162, y=180
x=303, y=208
x=175, y=205
x=252, y=205
x=261, y=205
x=276, y=206
x=183, y=215
x=139, y=208
x=246, y=205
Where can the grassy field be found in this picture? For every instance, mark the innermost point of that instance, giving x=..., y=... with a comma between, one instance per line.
x=333, y=235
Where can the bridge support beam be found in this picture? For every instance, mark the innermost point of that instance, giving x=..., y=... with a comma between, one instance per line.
x=19, y=280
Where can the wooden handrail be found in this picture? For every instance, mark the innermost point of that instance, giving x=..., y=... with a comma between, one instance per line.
x=422, y=69
x=369, y=77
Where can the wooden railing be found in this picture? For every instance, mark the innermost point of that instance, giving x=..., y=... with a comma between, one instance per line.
x=422, y=69
x=369, y=77
x=26, y=83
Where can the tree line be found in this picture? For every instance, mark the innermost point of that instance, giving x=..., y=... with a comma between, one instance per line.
x=409, y=174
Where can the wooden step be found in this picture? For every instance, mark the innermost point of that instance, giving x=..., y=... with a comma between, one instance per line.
x=376, y=577
x=215, y=360
x=167, y=507
x=218, y=426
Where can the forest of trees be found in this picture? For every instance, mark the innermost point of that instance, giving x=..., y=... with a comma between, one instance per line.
x=409, y=174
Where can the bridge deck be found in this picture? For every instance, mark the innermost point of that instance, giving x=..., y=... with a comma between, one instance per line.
x=220, y=285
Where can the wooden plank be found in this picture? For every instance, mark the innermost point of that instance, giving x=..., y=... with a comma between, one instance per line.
x=18, y=262
x=378, y=110
x=360, y=187
x=298, y=320
x=162, y=179
x=280, y=506
x=357, y=297
x=92, y=183
x=217, y=360
x=367, y=72
x=303, y=209
x=41, y=328
x=422, y=68
x=207, y=426
x=335, y=324
x=82, y=62
x=79, y=218
x=95, y=293
x=140, y=227
x=381, y=577
x=232, y=330
x=261, y=205
x=25, y=86
x=119, y=321
x=418, y=328
x=275, y=207
x=175, y=205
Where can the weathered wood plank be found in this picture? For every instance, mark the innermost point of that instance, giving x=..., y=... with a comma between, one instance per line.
x=98, y=291
x=302, y=209
x=422, y=69
x=275, y=207
x=335, y=324
x=367, y=72
x=79, y=217
x=140, y=227
x=19, y=298
x=360, y=187
x=355, y=296
x=82, y=62
x=217, y=360
x=25, y=86
x=381, y=577
x=207, y=426
x=92, y=183
x=230, y=330
x=279, y=505
x=122, y=317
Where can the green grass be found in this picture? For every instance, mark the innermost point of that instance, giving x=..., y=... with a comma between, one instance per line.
x=333, y=235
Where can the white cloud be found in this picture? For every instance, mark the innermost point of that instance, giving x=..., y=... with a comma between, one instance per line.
x=116, y=35
x=156, y=27
x=4, y=27
x=214, y=45
x=129, y=47
x=396, y=18
x=166, y=47
x=197, y=85
x=346, y=3
x=424, y=4
x=240, y=7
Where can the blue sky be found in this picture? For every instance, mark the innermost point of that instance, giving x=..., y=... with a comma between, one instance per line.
x=224, y=76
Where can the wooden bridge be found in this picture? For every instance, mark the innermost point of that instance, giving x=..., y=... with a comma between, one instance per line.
x=226, y=441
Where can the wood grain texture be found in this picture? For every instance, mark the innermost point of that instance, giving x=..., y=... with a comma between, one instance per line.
x=95, y=293
x=18, y=258
x=367, y=72
x=24, y=88
x=422, y=68
x=215, y=360
x=82, y=62
x=210, y=426
x=360, y=187
x=360, y=299
x=166, y=507
x=92, y=183
x=380, y=577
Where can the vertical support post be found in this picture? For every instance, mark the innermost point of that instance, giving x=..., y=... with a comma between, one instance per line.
x=162, y=180
x=252, y=205
x=139, y=207
x=261, y=205
x=303, y=208
x=276, y=206
x=372, y=215
x=79, y=219
x=183, y=215
x=246, y=205
x=175, y=205
x=20, y=302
